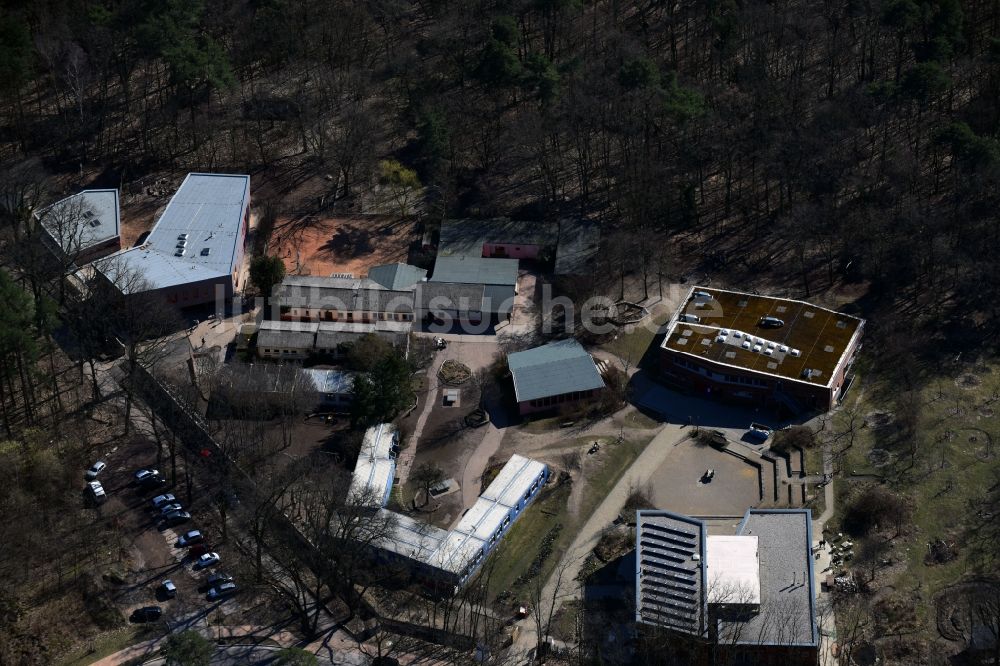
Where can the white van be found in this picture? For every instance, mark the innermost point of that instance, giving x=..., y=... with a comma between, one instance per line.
x=97, y=492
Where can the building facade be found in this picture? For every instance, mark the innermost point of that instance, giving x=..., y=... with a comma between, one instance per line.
x=782, y=354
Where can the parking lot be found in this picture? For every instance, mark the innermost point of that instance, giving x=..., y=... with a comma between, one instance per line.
x=678, y=484
x=149, y=548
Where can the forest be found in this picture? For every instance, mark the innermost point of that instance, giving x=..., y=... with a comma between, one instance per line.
x=841, y=151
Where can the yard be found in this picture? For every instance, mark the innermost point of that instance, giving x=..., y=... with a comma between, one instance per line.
x=679, y=484
x=535, y=544
x=939, y=455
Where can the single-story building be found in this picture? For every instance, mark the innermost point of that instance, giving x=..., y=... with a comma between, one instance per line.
x=82, y=227
x=340, y=299
x=397, y=277
x=375, y=469
x=298, y=340
x=556, y=374
x=499, y=238
x=264, y=388
x=497, y=277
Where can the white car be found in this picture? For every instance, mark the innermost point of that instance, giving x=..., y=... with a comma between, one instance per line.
x=95, y=469
x=97, y=491
x=206, y=560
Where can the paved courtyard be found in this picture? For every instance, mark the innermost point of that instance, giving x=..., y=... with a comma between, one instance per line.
x=677, y=483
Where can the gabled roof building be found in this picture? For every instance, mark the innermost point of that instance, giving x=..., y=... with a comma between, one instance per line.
x=555, y=374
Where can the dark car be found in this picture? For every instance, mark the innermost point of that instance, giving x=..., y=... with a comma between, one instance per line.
x=145, y=473
x=168, y=509
x=176, y=518
x=218, y=579
x=222, y=591
x=146, y=614
x=771, y=322
x=167, y=589
x=190, y=538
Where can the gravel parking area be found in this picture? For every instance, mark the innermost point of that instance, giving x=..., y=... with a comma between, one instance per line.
x=677, y=484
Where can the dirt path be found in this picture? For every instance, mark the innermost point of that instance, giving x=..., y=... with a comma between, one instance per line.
x=555, y=594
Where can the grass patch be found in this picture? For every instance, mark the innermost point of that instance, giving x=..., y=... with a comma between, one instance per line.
x=527, y=537
x=106, y=644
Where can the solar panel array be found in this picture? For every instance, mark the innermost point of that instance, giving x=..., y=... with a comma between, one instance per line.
x=670, y=579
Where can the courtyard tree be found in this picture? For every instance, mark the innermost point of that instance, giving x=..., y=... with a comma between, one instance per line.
x=402, y=184
x=382, y=393
x=265, y=272
x=425, y=476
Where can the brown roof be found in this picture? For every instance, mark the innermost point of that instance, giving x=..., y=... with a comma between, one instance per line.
x=820, y=335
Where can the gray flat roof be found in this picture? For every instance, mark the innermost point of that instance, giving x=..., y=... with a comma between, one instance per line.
x=209, y=209
x=670, y=577
x=397, y=276
x=83, y=220
x=475, y=270
x=554, y=369
x=342, y=294
x=450, y=296
x=787, y=614
x=286, y=335
x=467, y=237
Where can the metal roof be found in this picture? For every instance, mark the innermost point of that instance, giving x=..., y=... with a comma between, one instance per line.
x=412, y=538
x=82, y=220
x=475, y=270
x=286, y=334
x=327, y=380
x=554, y=369
x=209, y=209
x=434, y=296
x=376, y=466
x=514, y=481
x=341, y=294
x=397, y=276
x=334, y=333
x=467, y=237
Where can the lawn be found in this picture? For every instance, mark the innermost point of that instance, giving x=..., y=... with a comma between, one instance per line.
x=108, y=643
x=944, y=472
x=528, y=536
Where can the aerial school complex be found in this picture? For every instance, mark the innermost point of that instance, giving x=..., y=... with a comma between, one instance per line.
x=437, y=556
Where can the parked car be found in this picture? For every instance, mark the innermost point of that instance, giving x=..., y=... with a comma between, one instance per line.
x=216, y=579
x=759, y=433
x=690, y=319
x=702, y=296
x=161, y=500
x=167, y=589
x=176, y=518
x=145, y=473
x=146, y=614
x=771, y=322
x=170, y=508
x=152, y=483
x=97, y=492
x=94, y=470
x=190, y=538
x=206, y=560
x=223, y=590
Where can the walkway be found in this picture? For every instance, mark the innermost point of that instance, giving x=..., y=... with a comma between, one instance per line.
x=561, y=588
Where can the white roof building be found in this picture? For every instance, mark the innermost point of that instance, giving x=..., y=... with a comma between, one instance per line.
x=375, y=470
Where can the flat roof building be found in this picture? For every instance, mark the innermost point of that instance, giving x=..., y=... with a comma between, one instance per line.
x=749, y=596
x=451, y=557
x=375, y=469
x=554, y=374
x=194, y=253
x=783, y=353
x=84, y=226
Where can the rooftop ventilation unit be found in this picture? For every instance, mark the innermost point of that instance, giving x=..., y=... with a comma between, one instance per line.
x=95, y=222
x=88, y=214
x=205, y=251
x=746, y=344
x=796, y=353
x=180, y=252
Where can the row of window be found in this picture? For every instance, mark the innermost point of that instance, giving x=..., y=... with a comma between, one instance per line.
x=362, y=317
x=559, y=399
x=720, y=376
